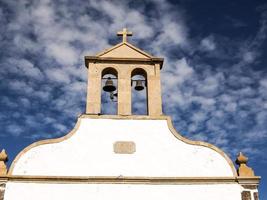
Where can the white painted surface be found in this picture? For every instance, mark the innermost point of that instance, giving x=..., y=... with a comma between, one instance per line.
x=89, y=152
x=34, y=191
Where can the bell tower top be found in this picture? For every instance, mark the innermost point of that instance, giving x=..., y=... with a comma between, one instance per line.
x=124, y=33
x=119, y=69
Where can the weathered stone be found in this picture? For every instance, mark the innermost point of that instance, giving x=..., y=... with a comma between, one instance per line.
x=124, y=147
x=251, y=187
x=246, y=195
x=243, y=169
x=2, y=190
x=2, y=194
x=256, y=195
x=3, y=160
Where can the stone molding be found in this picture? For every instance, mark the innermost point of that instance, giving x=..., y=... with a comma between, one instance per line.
x=252, y=180
x=127, y=180
x=151, y=61
x=251, y=187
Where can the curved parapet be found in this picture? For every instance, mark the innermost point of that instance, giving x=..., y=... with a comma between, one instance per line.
x=201, y=143
x=134, y=146
x=42, y=142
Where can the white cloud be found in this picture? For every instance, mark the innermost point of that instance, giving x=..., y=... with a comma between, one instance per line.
x=199, y=116
x=208, y=44
x=76, y=87
x=44, y=96
x=230, y=107
x=173, y=33
x=25, y=102
x=28, y=69
x=22, y=67
x=64, y=54
x=209, y=86
x=263, y=83
x=21, y=87
x=57, y=75
x=249, y=57
x=183, y=69
x=15, y=130
x=43, y=13
x=179, y=72
x=60, y=127
x=205, y=102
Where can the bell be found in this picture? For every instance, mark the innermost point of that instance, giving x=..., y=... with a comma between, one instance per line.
x=109, y=87
x=139, y=86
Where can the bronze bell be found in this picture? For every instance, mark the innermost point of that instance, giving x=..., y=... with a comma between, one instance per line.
x=139, y=86
x=109, y=87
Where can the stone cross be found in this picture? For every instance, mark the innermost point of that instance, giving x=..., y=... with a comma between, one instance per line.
x=124, y=33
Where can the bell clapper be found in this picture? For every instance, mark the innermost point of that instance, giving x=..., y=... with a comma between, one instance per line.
x=113, y=96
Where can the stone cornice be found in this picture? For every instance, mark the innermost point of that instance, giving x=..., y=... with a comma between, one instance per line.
x=93, y=59
x=131, y=180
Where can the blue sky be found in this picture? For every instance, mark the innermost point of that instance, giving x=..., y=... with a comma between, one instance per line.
x=214, y=79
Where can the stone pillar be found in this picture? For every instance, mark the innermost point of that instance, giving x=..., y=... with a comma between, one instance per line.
x=2, y=190
x=93, y=104
x=250, y=192
x=3, y=173
x=154, y=92
x=245, y=195
x=256, y=195
x=124, y=92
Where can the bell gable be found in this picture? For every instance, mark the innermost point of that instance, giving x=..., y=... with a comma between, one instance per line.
x=124, y=50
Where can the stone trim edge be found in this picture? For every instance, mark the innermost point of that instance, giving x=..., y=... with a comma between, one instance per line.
x=128, y=180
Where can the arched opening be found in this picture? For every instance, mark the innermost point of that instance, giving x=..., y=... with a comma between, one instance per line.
x=109, y=94
x=139, y=92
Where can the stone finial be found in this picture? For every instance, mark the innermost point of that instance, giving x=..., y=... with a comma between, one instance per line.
x=243, y=169
x=3, y=160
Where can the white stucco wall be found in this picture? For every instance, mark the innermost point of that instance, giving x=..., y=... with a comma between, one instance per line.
x=89, y=152
x=38, y=191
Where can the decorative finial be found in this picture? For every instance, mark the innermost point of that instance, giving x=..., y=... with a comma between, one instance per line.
x=124, y=33
x=243, y=169
x=3, y=160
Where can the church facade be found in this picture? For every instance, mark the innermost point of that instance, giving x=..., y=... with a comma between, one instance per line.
x=125, y=156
